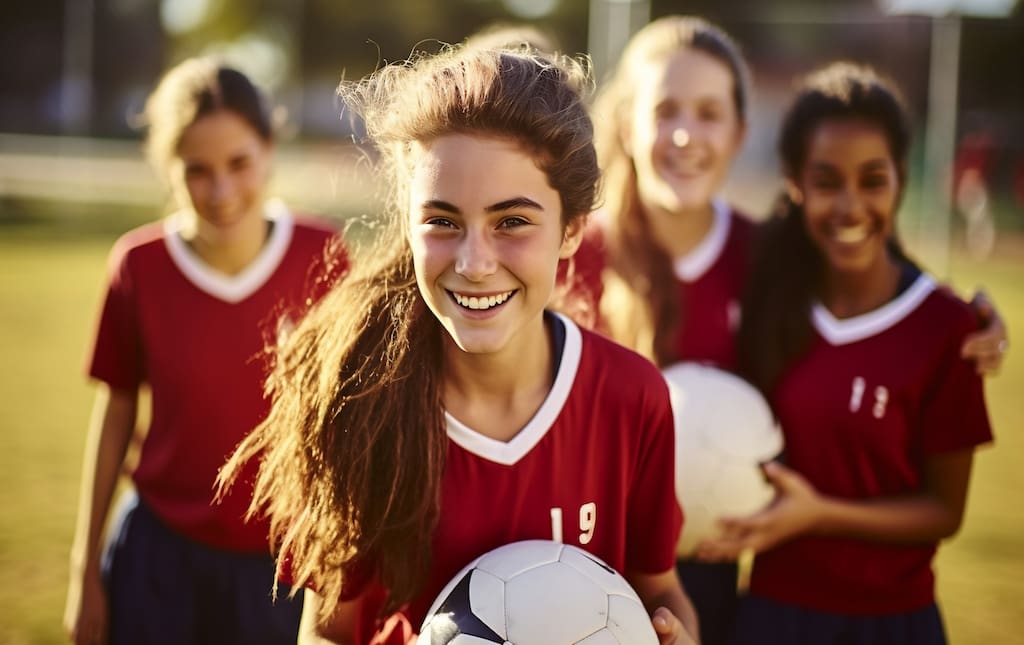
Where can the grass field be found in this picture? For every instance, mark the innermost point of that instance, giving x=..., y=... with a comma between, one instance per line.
x=49, y=290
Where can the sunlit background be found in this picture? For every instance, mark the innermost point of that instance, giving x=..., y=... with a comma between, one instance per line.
x=75, y=74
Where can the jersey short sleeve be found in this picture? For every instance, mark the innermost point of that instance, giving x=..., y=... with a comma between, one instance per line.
x=117, y=354
x=655, y=518
x=955, y=416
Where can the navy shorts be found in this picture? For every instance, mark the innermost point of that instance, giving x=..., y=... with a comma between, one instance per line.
x=765, y=622
x=164, y=588
x=711, y=587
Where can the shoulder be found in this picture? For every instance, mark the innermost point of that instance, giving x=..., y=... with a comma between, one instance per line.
x=945, y=310
x=318, y=237
x=144, y=240
x=620, y=368
x=742, y=227
x=315, y=225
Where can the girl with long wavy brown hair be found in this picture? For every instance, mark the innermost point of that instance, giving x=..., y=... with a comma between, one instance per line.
x=431, y=408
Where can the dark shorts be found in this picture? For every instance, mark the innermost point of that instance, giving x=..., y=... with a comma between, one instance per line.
x=766, y=622
x=165, y=588
x=711, y=587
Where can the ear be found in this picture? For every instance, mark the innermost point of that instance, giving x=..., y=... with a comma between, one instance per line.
x=572, y=236
x=793, y=191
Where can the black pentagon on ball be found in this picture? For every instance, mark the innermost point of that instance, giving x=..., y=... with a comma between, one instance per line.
x=455, y=616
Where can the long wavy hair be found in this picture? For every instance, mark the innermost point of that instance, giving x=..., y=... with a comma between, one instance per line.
x=641, y=305
x=788, y=268
x=353, y=450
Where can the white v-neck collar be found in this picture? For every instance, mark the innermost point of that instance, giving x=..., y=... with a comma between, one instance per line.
x=509, y=452
x=850, y=330
x=232, y=288
x=695, y=263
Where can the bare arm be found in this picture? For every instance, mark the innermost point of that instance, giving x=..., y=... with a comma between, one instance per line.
x=339, y=628
x=110, y=430
x=673, y=615
x=930, y=515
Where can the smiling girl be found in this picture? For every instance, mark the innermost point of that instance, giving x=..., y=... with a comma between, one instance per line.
x=881, y=414
x=189, y=303
x=664, y=264
x=431, y=409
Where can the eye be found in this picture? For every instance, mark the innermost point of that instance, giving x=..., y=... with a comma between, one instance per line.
x=665, y=110
x=438, y=221
x=710, y=113
x=193, y=171
x=875, y=180
x=513, y=221
x=241, y=163
x=824, y=180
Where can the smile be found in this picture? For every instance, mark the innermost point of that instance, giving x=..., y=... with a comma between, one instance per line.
x=482, y=302
x=850, y=234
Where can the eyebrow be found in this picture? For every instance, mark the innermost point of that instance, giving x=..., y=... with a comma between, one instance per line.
x=508, y=204
x=874, y=164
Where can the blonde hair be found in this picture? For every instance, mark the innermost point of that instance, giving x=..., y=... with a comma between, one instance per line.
x=641, y=308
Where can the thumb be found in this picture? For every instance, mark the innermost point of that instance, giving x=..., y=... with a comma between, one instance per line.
x=664, y=621
x=783, y=478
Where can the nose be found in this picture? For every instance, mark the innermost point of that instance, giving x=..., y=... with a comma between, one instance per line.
x=683, y=127
x=475, y=258
x=222, y=187
x=847, y=204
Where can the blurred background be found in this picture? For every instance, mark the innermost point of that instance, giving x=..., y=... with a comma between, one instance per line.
x=72, y=178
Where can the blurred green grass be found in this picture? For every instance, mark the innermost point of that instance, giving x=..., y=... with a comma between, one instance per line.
x=50, y=289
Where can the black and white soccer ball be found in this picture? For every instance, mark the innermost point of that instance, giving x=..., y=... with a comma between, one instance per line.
x=537, y=592
x=725, y=430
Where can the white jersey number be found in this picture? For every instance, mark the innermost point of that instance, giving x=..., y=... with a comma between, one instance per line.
x=588, y=520
x=857, y=390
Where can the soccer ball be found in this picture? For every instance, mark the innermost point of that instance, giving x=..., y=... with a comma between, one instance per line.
x=537, y=592
x=724, y=431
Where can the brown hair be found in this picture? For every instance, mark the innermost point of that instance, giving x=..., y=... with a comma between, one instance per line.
x=640, y=307
x=193, y=89
x=354, y=447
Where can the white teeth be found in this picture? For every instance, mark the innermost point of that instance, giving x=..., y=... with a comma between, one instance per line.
x=481, y=302
x=850, y=234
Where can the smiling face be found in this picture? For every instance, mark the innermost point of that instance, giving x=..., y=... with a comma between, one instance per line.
x=684, y=131
x=221, y=169
x=849, y=187
x=486, y=234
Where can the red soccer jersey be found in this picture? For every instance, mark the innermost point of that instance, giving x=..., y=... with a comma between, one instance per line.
x=593, y=468
x=861, y=411
x=197, y=337
x=710, y=281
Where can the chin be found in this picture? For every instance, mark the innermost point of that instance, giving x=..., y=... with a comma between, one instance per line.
x=689, y=198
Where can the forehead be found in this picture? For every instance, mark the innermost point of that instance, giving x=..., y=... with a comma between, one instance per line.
x=217, y=132
x=476, y=170
x=687, y=74
x=848, y=142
